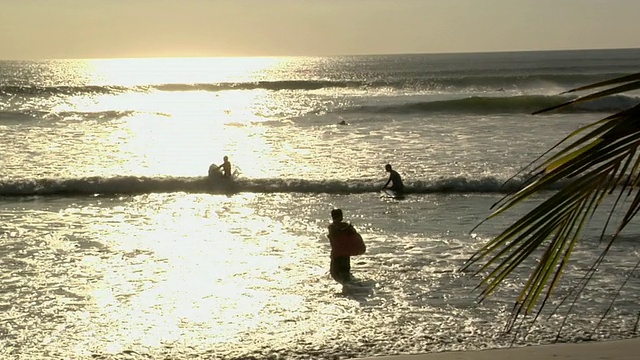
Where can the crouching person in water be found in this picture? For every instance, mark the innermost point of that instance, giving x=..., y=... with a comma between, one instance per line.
x=340, y=267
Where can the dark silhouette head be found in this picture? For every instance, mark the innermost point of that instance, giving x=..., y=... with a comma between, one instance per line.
x=226, y=158
x=336, y=215
x=387, y=167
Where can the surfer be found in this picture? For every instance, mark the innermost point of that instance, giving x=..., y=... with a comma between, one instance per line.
x=395, y=179
x=340, y=267
x=226, y=167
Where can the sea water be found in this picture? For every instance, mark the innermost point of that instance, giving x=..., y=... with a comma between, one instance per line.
x=114, y=244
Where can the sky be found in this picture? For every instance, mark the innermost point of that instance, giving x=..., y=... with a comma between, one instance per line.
x=81, y=29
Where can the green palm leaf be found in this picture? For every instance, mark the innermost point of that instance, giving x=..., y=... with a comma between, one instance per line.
x=633, y=84
x=627, y=78
x=600, y=163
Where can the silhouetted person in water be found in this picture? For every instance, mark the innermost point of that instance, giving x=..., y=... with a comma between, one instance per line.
x=226, y=167
x=394, y=178
x=340, y=267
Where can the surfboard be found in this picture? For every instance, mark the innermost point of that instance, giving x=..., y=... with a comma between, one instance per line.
x=350, y=244
x=214, y=172
x=388, y=193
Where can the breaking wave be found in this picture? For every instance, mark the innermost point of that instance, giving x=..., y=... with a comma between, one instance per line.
x=34, y=115
x=413, y=81
x=525, y=104
x=132, y=185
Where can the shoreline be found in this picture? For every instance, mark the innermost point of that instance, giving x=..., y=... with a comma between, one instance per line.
x=626, y=349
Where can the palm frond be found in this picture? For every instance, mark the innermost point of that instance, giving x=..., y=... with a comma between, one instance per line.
x=618, y=80
x=604, y=160
x=634, y=84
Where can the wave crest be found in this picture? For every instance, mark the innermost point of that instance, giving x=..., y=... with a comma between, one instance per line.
x=132, y=185
x=495, y=105
x=415, y=82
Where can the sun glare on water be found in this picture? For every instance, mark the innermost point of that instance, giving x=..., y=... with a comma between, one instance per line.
x=202, y=269
x=175, y=117
x=178, y=267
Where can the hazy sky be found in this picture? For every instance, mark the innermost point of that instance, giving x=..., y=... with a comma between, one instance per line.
x=35, y=29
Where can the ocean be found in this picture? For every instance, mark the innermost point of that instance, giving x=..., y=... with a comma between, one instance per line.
x=115, y=245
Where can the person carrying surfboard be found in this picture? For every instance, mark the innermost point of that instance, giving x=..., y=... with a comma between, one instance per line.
x=395, y=179
x=345, y=242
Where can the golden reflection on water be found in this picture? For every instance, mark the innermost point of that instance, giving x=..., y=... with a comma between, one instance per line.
x=204, y=268
x=178, y=132
x=200, y=269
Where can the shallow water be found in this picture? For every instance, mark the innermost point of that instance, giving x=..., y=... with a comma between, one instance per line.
x=247, y=275
x=114, y=245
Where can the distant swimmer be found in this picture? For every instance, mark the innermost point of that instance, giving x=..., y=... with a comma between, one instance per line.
x=226, y=167
x=394, y=178
x=343, y=123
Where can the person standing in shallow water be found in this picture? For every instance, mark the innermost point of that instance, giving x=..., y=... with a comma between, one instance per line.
x=340, y=267
x=394, y=178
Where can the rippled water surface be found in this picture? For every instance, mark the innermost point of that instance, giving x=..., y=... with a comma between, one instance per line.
x=115, y=245
x=231, y=277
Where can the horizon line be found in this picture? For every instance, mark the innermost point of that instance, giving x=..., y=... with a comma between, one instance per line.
x=320, y=56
